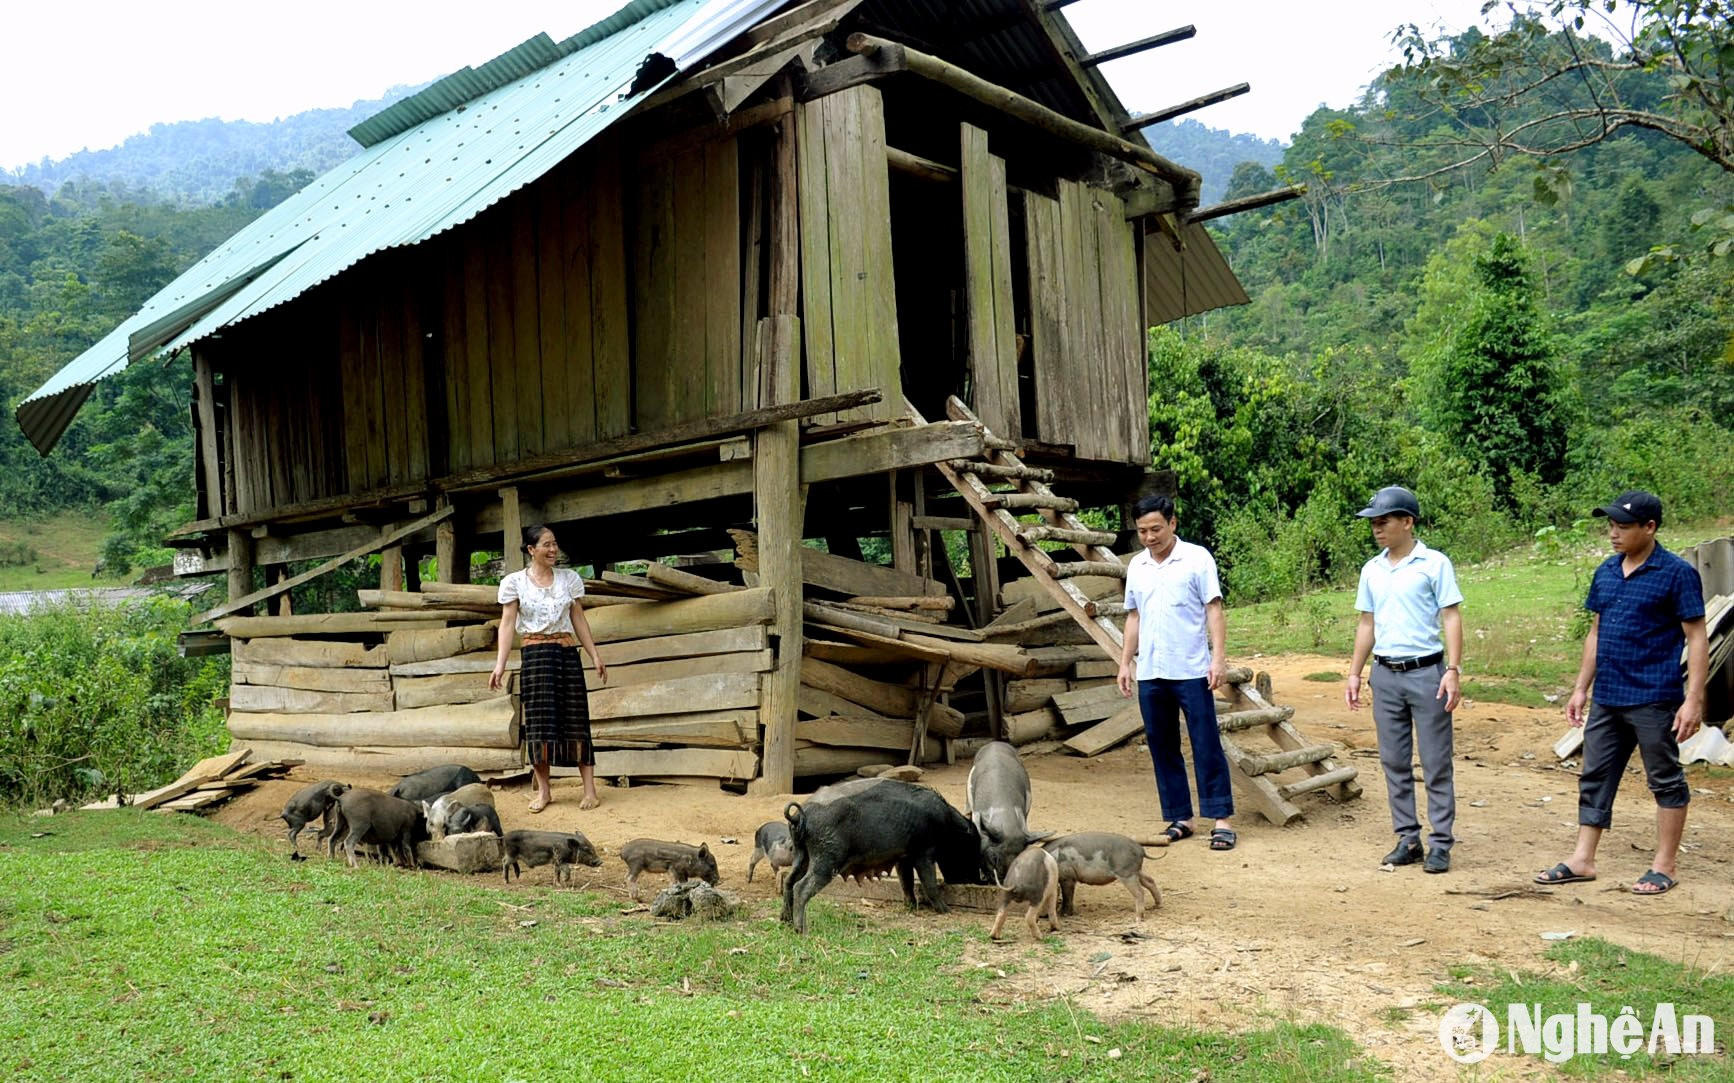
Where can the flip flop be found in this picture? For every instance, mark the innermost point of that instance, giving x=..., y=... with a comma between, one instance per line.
x=1176, y=831
x=1660, y=881
x=537, y=805
x=1561, y=874
x=1222, y=839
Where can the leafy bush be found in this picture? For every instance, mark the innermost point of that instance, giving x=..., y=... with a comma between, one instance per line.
x=1679, y=455
x=100, y=699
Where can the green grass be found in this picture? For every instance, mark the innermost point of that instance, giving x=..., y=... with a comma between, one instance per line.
x=53, y=553
x=141, y=947
x=1523, y=633
x=1325, y=676
x=1608, y=978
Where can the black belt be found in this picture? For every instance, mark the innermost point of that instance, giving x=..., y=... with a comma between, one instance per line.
x=1404, y=665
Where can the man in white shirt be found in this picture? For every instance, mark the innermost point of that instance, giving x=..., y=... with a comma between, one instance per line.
x=1175, y=646
x=1406, y=594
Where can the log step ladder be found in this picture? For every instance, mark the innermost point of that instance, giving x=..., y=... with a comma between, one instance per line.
x=1029, y=491
x=1026, y=488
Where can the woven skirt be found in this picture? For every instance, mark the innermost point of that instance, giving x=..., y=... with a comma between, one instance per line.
x=556, y=708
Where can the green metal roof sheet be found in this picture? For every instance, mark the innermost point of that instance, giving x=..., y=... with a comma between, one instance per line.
x=420, y=172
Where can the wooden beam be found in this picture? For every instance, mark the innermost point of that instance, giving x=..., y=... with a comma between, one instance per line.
x=1034, y=113
x=490, y=723
x=1143, y=119
x=1132, y=48
x=691, y=762
x=917, y=166
x=1247, y=203
x=236, y=604
x=889, y=449
x=491, y=477
x=843, y=74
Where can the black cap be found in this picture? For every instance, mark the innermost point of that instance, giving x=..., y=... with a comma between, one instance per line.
x=1392, y=500
x=1631, y=507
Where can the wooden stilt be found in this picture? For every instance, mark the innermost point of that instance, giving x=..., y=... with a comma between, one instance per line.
x=512, y=529
x=240, y=567
x=781, y=503
x=452, y=562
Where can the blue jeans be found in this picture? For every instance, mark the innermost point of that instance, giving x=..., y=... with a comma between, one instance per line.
x=1162, y=702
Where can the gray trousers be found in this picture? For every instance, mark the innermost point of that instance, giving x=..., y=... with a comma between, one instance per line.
x=1406, y=713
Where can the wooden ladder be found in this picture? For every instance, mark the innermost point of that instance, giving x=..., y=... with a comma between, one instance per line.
x=1025, y=488
x=1250, y=710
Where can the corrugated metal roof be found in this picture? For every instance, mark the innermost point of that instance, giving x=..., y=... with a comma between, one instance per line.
x=411, y=183
x=1187, y=281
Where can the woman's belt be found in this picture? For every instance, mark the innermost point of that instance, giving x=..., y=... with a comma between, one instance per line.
x=564, y=639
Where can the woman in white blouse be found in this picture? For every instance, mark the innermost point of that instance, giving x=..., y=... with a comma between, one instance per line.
x=541, y=606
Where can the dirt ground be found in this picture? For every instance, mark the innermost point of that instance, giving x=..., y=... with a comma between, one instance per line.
x=1297, y=923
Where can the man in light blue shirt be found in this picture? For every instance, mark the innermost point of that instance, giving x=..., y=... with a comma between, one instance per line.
x=1406, y=595
x=1174, y=651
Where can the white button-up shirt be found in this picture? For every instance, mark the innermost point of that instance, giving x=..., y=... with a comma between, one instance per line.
x=1170, y=598
x=1405, y=600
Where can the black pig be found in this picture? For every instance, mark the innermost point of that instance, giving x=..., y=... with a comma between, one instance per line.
x=864, y=826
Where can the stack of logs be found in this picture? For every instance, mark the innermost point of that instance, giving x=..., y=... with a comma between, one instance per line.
x=406, y=687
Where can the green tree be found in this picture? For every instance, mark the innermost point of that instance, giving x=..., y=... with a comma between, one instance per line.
x=1495, y=389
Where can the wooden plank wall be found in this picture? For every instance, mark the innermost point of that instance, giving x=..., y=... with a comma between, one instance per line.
x=848, y=290
x=993, y=356
x=283, y=433
x=381, y=349
x=534, y=351
x=686, y=285
x=1085, y=338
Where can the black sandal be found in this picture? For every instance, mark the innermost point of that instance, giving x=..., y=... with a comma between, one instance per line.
x=1222, y=839
x=1176, y=831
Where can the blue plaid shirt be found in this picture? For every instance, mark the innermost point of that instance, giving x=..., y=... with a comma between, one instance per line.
x=1639, y=639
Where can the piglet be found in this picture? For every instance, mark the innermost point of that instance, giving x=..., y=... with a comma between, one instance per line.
x=376, y=819
x=312, y=803
x=1034, y=878
x=467, y=818
x=772, y=843
x=1102, y=857
x=440, y=809
x=563, y=848
x=429, y=784
x=680, y=861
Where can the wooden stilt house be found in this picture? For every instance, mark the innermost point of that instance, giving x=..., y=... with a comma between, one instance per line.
x=848, y=273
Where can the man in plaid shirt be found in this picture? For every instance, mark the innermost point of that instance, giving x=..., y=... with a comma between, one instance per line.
x=1647, y=604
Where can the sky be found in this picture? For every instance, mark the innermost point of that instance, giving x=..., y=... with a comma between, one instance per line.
x=126, y=65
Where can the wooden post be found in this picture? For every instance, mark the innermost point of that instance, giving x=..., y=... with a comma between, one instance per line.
x=903, y=537
x=984, y=573
x=240, y=566
x=453, y=562
x=280, y=605
x=391, y=568
x=512, y=529
x=781, y=503
x=780, y=497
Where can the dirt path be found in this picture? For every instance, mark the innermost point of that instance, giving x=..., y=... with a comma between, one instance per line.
x=1298, y=922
